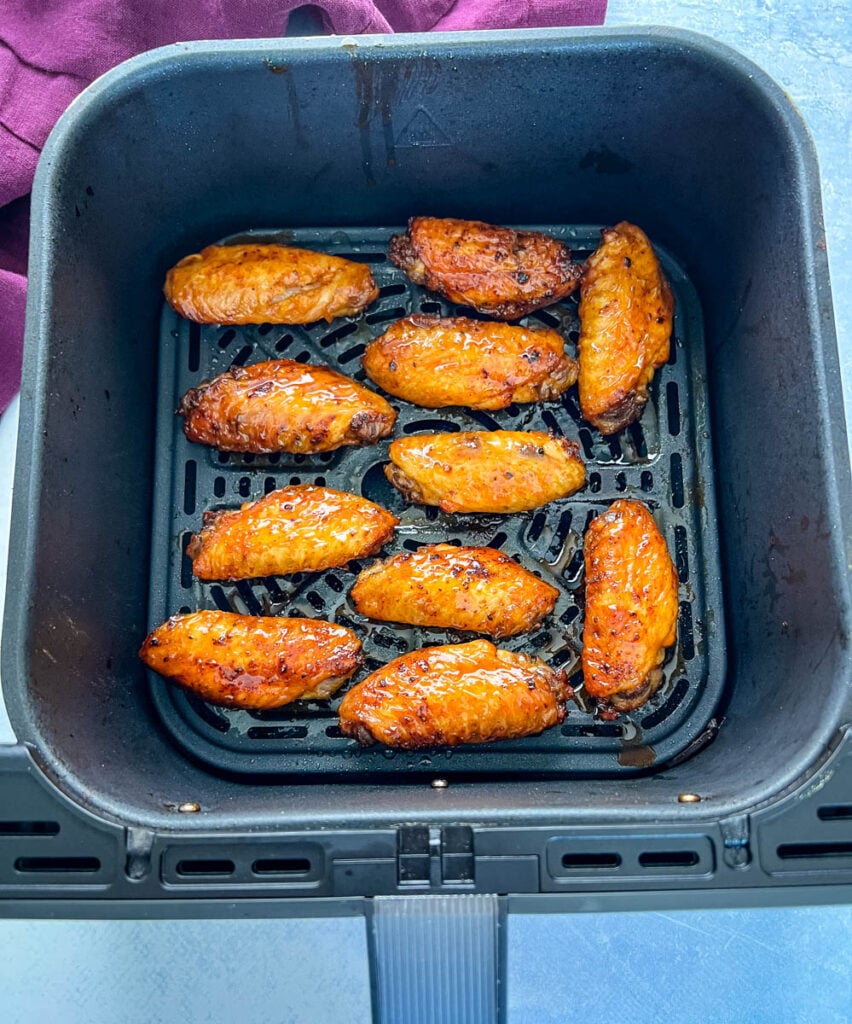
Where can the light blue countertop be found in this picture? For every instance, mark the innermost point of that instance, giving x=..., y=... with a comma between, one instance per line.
x=778, y=966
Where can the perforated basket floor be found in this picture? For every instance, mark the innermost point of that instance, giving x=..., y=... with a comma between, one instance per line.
x=664, y=460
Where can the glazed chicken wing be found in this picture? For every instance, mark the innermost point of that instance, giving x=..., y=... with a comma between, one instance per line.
x=455, y=361
x=274, y=284
x=443, y=696
x=631, y=606
x=477, y=589
x=503, y=273
x=481, y=471
x=243, y=661
x=301, y=528
x=284, y=406
x=625, y=325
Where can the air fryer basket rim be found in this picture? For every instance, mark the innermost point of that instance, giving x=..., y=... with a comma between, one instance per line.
x=131, y=75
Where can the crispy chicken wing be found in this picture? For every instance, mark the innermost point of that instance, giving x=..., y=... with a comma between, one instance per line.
x=626, y=323
x=455, y=361
x=295, y=529
x=631, y=606
x=443, y=696
x=284, y=406
x=478, y=589
x=478, y=471
x=274, y=284
x=243, y=661
x=504, y=273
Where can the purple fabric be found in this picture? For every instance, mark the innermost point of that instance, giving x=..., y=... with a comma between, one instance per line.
x=51, y=50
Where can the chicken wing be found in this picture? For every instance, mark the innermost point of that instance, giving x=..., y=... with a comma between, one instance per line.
x=243, y=661
x=274, y=284
x=284, y=406
x=625, y=325
x=478, y=471
x=456, y=361
x=477, y=589
x=504, y=273
x=631, y=606
x=295, y=529
x=443, y=696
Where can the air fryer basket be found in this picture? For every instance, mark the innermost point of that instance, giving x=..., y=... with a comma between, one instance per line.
x=664, y=460
x=122, y=788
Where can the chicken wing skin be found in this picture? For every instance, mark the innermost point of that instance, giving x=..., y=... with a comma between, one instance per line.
x=626, y=311
x=455, y=361
x=443, y=696
x=481, y=471
x=503, y=273
x=284, y=406
x=301, y=528
x=631, y=606
x=478, y=589
x=273, y=284
x=243, y=661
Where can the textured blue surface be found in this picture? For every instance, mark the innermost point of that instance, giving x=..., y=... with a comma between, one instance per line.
x=785, y=966
x=208, y=972
x=777, y=966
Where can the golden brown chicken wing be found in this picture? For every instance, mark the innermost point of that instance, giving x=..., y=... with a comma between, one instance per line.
x=631, y=606
x=436, y=362
x=478, y=471
x=295, y=529
x=478, y=589
x=243, y=661
x=274, y=284
x=284, y=406
x=443, y=696
x=626, y=323
x=504, y=273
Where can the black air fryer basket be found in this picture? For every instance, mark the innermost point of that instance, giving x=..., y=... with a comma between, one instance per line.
x=126, y=792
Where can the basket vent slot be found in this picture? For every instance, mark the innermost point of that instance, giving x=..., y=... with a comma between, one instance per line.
x=281, y=866
x=673, y=408
x=668, y=859
x=241, y=357
x=29, y=828
x=384, y=316
x=189, y=478
x=57, y=864
x=834, y=812
x=363, y=257
x=582, y=861
x=194, y=358
x=677, y=480
x=794, y=851
x=205, y=868
x=277, y=732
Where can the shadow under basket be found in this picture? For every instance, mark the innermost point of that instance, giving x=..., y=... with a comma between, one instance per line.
x=736, y=776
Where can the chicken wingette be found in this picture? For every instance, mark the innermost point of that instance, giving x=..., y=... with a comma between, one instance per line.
x=503, y=273
x=284, y=406
x=443, y=696
x=476, y=589
x=631, y=606
x=436, y=362
x=626, y=310
x=302, y=528
x=255, y=284
x=245, y=661
x=481, y=471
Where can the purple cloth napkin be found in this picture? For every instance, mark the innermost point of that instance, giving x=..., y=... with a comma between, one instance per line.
x=51, y=50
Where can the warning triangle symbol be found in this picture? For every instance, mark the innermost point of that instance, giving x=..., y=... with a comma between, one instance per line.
x=421, y=130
